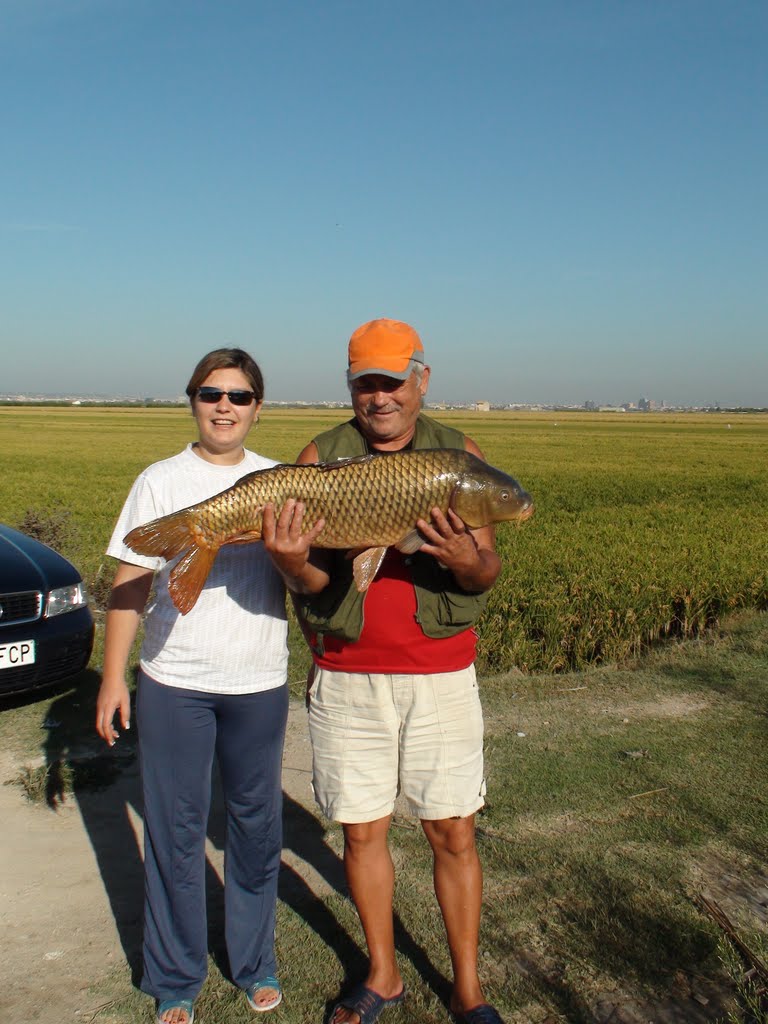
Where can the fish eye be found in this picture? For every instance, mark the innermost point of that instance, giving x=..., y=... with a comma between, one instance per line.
x=505, y=495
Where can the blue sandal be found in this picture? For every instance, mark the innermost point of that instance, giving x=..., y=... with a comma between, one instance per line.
x=187, y=1005
x=482, y=1014
x=366, y=1003
x=269, y=982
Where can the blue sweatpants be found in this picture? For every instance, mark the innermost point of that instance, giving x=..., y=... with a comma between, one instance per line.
x=180, y=731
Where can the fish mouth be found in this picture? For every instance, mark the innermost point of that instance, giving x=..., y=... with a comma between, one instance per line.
x=526, y=512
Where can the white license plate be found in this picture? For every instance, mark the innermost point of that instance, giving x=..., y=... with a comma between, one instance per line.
x=20, y=653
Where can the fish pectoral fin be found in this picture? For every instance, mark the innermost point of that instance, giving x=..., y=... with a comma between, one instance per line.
x=366, y=565
x=187, y=578
x=411, y=542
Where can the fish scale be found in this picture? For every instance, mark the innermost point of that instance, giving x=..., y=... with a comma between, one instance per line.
x=369, y=502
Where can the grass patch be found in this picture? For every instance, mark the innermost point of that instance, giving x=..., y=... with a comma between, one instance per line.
x=35, y=782
x=55, y=782
x=751, y=989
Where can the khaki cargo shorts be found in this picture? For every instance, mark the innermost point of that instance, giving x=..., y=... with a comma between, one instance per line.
x=376, y=735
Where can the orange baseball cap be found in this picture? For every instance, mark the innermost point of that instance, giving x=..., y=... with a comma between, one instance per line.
x=386, y=347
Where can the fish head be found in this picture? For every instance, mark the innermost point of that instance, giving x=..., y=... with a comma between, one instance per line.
x=486, y=495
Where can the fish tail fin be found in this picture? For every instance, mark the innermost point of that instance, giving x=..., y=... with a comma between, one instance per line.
x=178, y=534
x=165, y=537
x=187, y=578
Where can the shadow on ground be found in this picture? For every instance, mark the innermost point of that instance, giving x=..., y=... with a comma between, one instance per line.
x=106, y=787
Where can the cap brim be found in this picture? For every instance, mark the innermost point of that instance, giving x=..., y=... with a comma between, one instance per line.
x=356, y=370
x=377, y=371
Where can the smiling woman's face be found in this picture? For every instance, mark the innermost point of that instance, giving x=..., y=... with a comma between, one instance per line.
x=222, y=427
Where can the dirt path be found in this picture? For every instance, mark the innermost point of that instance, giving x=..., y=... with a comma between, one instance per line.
x=60, y=897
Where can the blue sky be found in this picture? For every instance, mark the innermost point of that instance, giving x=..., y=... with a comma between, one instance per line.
x=567, y=199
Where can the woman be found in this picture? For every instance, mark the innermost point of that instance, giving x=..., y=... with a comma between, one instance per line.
x=212, y=682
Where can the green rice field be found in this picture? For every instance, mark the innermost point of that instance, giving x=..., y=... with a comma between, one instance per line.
x=647, y=526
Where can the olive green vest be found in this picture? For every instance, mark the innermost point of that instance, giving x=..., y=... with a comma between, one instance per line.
x=442, y=607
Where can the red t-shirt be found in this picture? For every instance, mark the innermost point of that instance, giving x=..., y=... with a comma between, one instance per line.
x=392, y=641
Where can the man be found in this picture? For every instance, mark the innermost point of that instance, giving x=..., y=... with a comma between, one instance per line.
x=393, y=697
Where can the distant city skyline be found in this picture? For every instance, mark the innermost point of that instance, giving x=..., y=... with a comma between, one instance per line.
x=567, y=201
x=641, y=405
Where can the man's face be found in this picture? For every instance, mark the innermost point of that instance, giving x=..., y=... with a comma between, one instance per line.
x=387, y=408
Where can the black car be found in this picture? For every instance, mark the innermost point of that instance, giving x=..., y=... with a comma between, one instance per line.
x=46, y=626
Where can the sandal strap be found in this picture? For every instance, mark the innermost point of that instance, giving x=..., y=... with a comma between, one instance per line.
x=269, y=982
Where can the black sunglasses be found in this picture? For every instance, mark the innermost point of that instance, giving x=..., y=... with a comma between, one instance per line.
x=236, y=397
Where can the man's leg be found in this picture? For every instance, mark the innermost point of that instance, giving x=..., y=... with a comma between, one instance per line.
x=371, y=880
x=458, y=880
x=354, y=729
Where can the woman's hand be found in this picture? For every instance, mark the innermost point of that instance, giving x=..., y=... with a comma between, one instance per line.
x=127, y=601
x=113, y=697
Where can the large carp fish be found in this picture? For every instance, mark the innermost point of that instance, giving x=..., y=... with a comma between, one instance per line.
x=369, y=503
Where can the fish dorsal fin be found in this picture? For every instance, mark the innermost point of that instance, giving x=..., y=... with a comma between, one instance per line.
x=328, y=467
x=411, y=542
x=366, y=565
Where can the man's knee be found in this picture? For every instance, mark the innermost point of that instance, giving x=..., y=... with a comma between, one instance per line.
x=451, y=837
x=366, y=836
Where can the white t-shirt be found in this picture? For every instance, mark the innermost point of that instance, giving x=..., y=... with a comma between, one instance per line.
x=234, y=640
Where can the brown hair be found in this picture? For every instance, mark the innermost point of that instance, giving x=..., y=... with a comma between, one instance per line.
x=225, y=359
